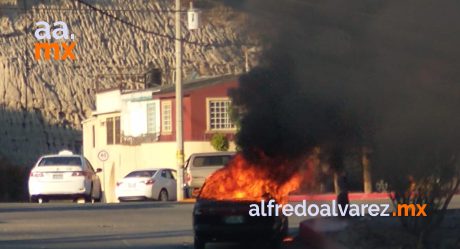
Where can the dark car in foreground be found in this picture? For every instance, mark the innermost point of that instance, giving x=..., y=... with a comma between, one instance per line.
x=229, y=221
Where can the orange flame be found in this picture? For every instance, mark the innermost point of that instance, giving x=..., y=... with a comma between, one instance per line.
x=243, y=180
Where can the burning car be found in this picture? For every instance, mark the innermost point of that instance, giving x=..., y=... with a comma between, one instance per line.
x=221, y=212
x=218, y=220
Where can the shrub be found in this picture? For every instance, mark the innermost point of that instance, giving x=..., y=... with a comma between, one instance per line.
x=220, y=142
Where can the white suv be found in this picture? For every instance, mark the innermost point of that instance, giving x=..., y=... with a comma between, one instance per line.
x=64, y=176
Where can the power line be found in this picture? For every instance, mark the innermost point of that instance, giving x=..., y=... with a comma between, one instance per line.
x=130, y=24
x=105, y=12
x=111, y=10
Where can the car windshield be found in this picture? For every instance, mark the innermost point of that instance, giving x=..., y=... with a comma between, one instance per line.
x=53, y=161
x=143, y=173
x=204, y=161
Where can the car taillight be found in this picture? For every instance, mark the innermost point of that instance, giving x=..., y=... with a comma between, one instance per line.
x=149, y=182
x=79, y=173
x=36, y=174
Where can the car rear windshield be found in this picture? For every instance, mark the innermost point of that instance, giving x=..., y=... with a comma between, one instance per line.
x=62, y=160
x=204, y=161
x=144, y=173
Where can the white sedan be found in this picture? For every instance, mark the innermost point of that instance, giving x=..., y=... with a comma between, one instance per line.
x=64, y=176
x=148, y=184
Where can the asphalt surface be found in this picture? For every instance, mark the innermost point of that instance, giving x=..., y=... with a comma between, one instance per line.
x=125, y=225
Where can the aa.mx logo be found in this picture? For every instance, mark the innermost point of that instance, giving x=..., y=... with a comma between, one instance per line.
x=59, y=32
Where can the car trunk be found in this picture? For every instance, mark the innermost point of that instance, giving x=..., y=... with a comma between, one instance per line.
x=57, y=172
x=226, y=212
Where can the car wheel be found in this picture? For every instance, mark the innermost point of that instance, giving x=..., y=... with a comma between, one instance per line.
x=163, y=195
x=93, y=196
x=89, y=198
x=199, y=243
x=99, y=198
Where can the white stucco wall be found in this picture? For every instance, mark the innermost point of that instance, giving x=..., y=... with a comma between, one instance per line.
x=109, y=101
x=125, y=158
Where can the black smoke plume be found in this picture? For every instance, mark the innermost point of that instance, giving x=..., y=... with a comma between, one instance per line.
x=349, y=73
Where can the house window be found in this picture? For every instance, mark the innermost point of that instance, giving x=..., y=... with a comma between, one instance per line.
x=109, y=126
x=151, y=113
x=117, y=130
x=166, y=116
x=218, y=116
x=113, y=130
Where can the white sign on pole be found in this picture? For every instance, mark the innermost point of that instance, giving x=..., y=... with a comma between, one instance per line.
x=103, y=155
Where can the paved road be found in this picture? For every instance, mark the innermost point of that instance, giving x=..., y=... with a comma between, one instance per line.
x=125, y=225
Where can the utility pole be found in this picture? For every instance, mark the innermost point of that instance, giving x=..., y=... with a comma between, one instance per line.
x=179, y=113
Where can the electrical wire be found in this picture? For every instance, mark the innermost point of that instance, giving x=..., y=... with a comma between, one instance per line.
x=130, y=24
x=112, y=10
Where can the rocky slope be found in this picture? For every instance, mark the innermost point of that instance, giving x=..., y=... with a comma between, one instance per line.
x=42, y=103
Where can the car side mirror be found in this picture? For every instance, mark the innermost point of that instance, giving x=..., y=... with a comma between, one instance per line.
x=98, y=170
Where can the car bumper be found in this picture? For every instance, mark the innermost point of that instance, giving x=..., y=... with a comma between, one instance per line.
x=57, y=188
x=133, y=194
x=235, y=233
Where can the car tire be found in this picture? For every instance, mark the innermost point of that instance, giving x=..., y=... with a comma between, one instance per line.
x=89, y=198
x=99, y=198
x=199, y=243
x=163, y=195
x=94, y=199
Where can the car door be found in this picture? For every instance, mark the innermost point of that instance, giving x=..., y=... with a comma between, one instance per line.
x=94, y=179
x=88, y=176
x=168, y=183
x=173, y=180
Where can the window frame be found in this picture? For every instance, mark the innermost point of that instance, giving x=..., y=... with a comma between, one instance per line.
x=208, y=115
x=113, y=124
x=151, y=127
x=165, y=103
x=109, y=130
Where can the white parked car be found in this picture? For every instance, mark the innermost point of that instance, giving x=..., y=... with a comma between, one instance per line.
x=64, y=176
x=148, y=184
